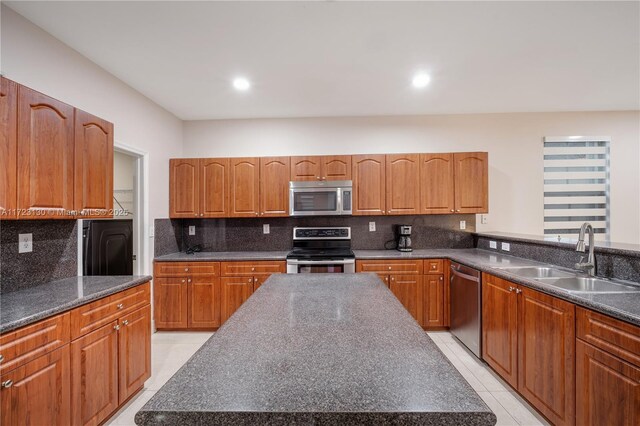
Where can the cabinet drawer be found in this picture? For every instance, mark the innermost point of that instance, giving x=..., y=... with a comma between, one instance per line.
x=390, y=266
x=433, y=266
x=28, y=343
x=611, y=335
x=96, y=314
x=252, y=268
x=172, y=269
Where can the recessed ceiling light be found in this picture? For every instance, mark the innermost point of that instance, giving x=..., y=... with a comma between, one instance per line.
x=421, y=80
x=241, y=83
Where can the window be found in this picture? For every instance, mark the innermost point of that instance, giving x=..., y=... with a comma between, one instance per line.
x=576, y=185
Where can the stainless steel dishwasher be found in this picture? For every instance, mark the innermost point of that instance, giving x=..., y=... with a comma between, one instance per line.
x=466, y=306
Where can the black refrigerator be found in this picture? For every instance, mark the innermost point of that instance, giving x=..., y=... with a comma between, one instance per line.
x=107, y=247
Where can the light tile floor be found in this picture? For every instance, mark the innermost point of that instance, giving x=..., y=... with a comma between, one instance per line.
x=170, y=350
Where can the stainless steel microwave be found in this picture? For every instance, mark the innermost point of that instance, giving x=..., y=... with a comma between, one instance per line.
x=320, y=198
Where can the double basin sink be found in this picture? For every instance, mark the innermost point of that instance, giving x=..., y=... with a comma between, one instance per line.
x=571, y=282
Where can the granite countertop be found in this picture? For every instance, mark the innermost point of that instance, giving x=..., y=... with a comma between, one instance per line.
x=624, y=306
x=318, y=349
x=217, y=256
x=24, y=307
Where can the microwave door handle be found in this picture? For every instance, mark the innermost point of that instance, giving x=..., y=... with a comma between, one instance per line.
x=339, y=200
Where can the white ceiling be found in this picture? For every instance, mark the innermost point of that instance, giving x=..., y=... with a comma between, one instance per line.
x=335, y=59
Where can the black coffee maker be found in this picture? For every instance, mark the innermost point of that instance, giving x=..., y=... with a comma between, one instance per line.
x=404, y=237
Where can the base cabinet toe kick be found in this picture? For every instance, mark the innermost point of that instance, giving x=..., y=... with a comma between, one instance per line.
x=78, y=367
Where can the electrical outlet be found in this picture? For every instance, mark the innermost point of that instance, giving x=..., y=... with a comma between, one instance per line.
x=484, y=219
x=493, y=244
x=266, y=229
x=506, y=247
x=372, y=227
x=192, y=230
x=25, y=243
x=463, y=224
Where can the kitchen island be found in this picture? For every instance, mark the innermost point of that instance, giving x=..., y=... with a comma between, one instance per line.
x=318, y=349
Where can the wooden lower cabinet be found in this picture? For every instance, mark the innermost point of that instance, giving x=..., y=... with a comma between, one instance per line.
x=170, y=302
x=408, y=288
x=235, y=291
x=134, y=351
x=433, y=301
x=94, y=376
x=608, y=388
x=37, y=393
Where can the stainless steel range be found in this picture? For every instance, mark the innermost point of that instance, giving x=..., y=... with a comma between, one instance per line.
x=321, y=250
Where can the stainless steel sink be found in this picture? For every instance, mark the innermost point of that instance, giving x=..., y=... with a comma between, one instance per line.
x=590, y=285
x=538, y=272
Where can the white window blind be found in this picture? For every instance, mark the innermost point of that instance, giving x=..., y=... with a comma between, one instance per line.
x=576, y=185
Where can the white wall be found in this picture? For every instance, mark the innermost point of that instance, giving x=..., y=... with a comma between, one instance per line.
x=34, y=58
x=514, y=143
x=122, y=171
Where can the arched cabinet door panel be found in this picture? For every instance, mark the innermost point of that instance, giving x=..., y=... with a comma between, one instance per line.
x=8, y=147
x=436, y=184
x=214, y=187
x=471, y=182
x=403, y=184
x=184, y=188
x=368, y=184
x=245, y=187
x=274, y=186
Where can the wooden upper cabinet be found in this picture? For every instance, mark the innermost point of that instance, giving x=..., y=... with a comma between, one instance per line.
x=184, y=187
x=368, y=173
x=45, y=156
x=214, y=187
x=336, y=167
x=94, y=165
x=500, y=327
x=8, y=147
x=403, y=184
x=471, y=170
x=306, y=168
x=436, y=184
x=546, y=354
x=245, y=187
x=274, y=186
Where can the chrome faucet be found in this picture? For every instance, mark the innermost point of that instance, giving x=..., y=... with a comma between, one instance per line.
x=590, y=265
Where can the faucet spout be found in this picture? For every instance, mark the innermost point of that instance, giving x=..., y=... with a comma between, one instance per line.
x=590, y=265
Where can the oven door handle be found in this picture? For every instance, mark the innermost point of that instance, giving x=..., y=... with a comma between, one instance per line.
x=320, y=262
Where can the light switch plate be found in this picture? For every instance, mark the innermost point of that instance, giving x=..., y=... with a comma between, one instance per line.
x=372, y=226
x=192, y=230
x=25, y=243
x=463, y=224
x=266, y=229
x=506, y=247
x=493, y=244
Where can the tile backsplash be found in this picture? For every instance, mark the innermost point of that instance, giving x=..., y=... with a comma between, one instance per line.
x=54, y=255
x=435, y=231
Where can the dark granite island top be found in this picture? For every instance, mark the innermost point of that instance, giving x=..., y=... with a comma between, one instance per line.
x=24, y=307
x=318, y=349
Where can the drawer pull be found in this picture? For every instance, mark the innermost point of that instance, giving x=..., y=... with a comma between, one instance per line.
x=116, y=327
x=253, y=269
x=7, y=383
x=120, y=306
x=125, y=322
x=186, y=269
x=389, y=267
x=434, y=266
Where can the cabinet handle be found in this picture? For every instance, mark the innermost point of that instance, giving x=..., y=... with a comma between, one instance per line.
x=125, y=322
x=318, y=177
x=511, y=288
x=458, y=210
x=441, y=278
x=452, y=210
x=182, y=280
x=255, y=280
x=116, y=327
x=393, y=279
x=196, y=214
x=253, y=269
x=7, y=383
x=389, y=267
x=434, y=266
x=120, y=306
x=186, y=269
x=1, y=358
x=518, y=291
x=189, y=280
x=201, y=214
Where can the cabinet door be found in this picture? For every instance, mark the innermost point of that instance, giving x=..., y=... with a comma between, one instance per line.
x=45, y=157
x=235, y=291
x=336, y=167
x=94, y=166
x=306, y=168
x=500, y=327
x=204, y=301
x=94, y=376
x=546, y=355
x=436, y=184
x=274, y=186
x=433, y=301
x=134, y=352
x=403, y=184
x=408, y=290
x=368, y=184
x=8, y=147
x=245, y=187
x=170, y=302
x=608, y=389
x=214, y=187
x=184, y=187
x=471, y=172
x=39, y=393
